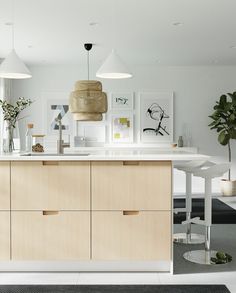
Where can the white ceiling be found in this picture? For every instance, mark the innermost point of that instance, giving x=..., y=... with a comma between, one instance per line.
x=142, y=31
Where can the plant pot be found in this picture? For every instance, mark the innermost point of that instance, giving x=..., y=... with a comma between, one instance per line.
x=228, y=187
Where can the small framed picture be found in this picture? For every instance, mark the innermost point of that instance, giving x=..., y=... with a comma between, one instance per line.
x=122, y=100
x=122, y=128
x=156, y=117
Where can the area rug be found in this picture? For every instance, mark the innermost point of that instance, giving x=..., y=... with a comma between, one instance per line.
x=114, y=289
x=221, y=212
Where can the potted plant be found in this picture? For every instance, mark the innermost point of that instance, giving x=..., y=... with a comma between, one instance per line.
x=224, y=121
x=11, y=116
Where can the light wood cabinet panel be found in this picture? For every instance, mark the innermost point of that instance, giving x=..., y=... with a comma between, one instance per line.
x=50, y=185
x=50, y=235
x=131, y=185
x=4, y=185
x=4, y=235
x=118, y=235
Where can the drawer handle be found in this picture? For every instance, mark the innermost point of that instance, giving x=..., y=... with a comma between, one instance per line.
x=50, y=213
x=130, y=163
x=49, y=163
x=130, y=213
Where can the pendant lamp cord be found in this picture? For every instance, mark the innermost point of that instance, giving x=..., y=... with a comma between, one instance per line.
x=88, y=63
x=13, y=24
x=13, y=37
x=113, y=21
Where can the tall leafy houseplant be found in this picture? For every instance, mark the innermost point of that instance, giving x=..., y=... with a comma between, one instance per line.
x=224, y=121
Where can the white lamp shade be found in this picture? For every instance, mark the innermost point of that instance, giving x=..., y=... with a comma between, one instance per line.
x=12, y=67
x=113, y=68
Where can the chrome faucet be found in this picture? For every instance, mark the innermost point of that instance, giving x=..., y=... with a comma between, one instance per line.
x=60, y=143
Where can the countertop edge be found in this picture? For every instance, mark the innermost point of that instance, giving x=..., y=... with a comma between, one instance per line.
x=111, y=157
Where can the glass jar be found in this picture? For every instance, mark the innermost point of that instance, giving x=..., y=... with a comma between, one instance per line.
x=28, y=138
x=38, y=143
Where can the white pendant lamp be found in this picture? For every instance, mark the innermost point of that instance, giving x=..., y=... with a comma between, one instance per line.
x=13, y=67
x=113, y=68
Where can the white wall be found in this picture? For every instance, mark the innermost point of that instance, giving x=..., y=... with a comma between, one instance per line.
x=195, y=91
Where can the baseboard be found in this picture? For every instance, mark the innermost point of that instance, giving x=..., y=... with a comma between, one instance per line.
x=85, y=266
x=195, y=195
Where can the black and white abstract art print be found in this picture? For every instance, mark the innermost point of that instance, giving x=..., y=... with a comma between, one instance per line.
x=57, y=106
x=58, y=109
x=156, y=117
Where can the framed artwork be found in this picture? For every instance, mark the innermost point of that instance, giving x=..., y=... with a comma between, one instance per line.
x=57, y=104
x=122, y=100
x=122, y=128
x=156, y=117
x=94, y=132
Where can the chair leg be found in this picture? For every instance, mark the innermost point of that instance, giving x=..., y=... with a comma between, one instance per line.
x=208, y=238
x=188, y=237
x=204, y=256
x=188, y=234
x=188, y=204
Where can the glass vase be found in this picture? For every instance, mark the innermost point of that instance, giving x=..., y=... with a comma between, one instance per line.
x=8, y=142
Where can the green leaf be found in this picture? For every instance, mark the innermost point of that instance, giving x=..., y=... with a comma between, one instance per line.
x=234, y=100
x=227, y=106
x=223, y=100
x=232, y=117
x=212, y=123
x=223, y=138
x=213, y=117
x=219, y=129
x=232, y=133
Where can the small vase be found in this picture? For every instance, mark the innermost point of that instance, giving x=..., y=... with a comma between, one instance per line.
x=8, y=143
x=180, y=142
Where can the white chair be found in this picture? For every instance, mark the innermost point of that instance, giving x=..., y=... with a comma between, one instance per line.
x=204, y=256
x=188, y=238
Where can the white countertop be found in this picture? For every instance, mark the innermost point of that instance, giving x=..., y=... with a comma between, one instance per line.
x=111, y=155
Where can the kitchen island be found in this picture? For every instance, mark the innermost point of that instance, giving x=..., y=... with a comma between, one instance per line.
x=106, y=210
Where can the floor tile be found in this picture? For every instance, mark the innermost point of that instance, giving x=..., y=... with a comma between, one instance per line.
x=226, y=278
x=230, y=200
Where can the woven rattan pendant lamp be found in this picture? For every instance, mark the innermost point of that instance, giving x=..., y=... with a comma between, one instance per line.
x=87, y=102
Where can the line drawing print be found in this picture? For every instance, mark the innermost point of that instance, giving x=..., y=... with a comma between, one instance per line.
x=155, y=112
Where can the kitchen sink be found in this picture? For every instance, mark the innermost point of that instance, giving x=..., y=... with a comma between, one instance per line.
x=55, y=155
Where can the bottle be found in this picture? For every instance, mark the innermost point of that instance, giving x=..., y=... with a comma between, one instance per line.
x=180, y=142
x=28, y=138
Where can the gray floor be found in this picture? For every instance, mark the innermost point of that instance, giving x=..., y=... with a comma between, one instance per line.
x=114, y=288
x=223, y=238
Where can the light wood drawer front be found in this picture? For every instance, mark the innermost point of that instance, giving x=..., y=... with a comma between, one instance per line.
x=137, y=236
x=50, y=185
x=4, y=235
x=50, y=235
x=4, y=186
x=131, y=185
